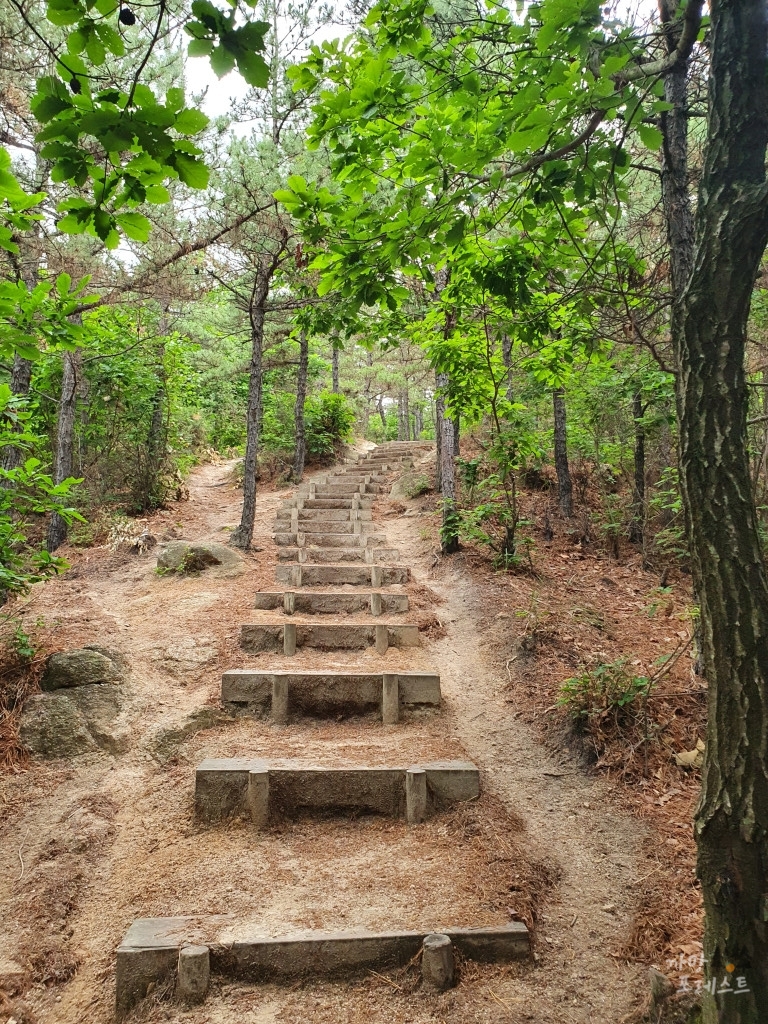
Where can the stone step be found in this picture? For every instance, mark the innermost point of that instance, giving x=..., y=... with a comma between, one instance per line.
x=150, y=955
x=344, y=490
x=331, y=540
x=317, y=555
x=228, y=787
x=325, y=515
x=310, y=603
x=348, y=503
x=319, y=692
x=312, y=575
x=340, y=526
x=329, y=636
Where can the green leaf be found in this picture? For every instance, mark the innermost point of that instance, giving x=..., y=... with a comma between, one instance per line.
x=157, y=194
x=111, y=38
x=143, y=96
x=76, y=41
x=71, y=225
x=222, y=60
x=63, y=12
x=650, y=136
x=529, y=140
x=191, y=122
x=135, y=225
x=63, y=284
x=174, y=99
x=191, y=171
x=253, y=68
x=199, y=47
x=456, y=232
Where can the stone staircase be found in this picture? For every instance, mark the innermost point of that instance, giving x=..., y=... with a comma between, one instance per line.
x=343, y=593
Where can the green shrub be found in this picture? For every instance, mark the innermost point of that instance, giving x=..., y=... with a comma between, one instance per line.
x=416, y=484
x=26, y=494
x=608, y=689
x=329, y=419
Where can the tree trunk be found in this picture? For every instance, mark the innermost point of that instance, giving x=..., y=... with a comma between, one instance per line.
x=506, y=355
x=418, y=426
x=709, y=331
x=335, y=370
x=298, y=414
x=401, y=434
x=448, y=534
x=149, y=493
x=242, y=536
x=438, y=441
x=30, y=252
x=564, y=485
x=21, y=377
x=382, y=414
x=637, y=525
x=65, y=436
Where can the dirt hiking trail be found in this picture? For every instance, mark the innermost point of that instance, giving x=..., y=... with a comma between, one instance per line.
x=90, y=843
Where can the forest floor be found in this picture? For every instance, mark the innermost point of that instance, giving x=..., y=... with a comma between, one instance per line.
x=598, y=861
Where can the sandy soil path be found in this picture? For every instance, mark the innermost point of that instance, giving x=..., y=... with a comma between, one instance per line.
x=86, y=845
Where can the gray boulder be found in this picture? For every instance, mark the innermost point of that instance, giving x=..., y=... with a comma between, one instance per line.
x=182, y=556
x=74, y=721
x=87, y=666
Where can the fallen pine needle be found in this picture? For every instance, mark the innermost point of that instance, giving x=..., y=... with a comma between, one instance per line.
x=387, y=980
x=500, y=1001
x=21, y=859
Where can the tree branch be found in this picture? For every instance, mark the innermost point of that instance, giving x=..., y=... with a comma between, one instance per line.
x=688, y=37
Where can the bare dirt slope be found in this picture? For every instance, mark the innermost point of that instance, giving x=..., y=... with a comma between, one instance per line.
x=87, y=845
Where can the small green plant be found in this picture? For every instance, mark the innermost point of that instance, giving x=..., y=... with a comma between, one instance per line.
x=22, y=645
x=416, y=484
x=659, y=595
x=469, y=474
x=666, y=506
x=611, y=522
x=608, y=689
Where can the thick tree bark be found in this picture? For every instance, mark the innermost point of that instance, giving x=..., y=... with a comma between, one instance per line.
x=335, y=370
x=448, y=534
x=564, y=485
x=242, y=536
x=300, y=453
x=65, y=437
x=21, y=378
x=439, y=406
x=637, y=525
x=709, y=331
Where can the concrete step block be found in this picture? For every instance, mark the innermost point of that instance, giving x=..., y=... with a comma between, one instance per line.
x=321, y=556
x=149, y=953
x=349, y=503
x=309, y=574
x=326, y=515
x=341, y=540
x=326, y=692
x=224, y=788
x=329, y=540
x=309, y=603
x=342, y=526
x=331, y=636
